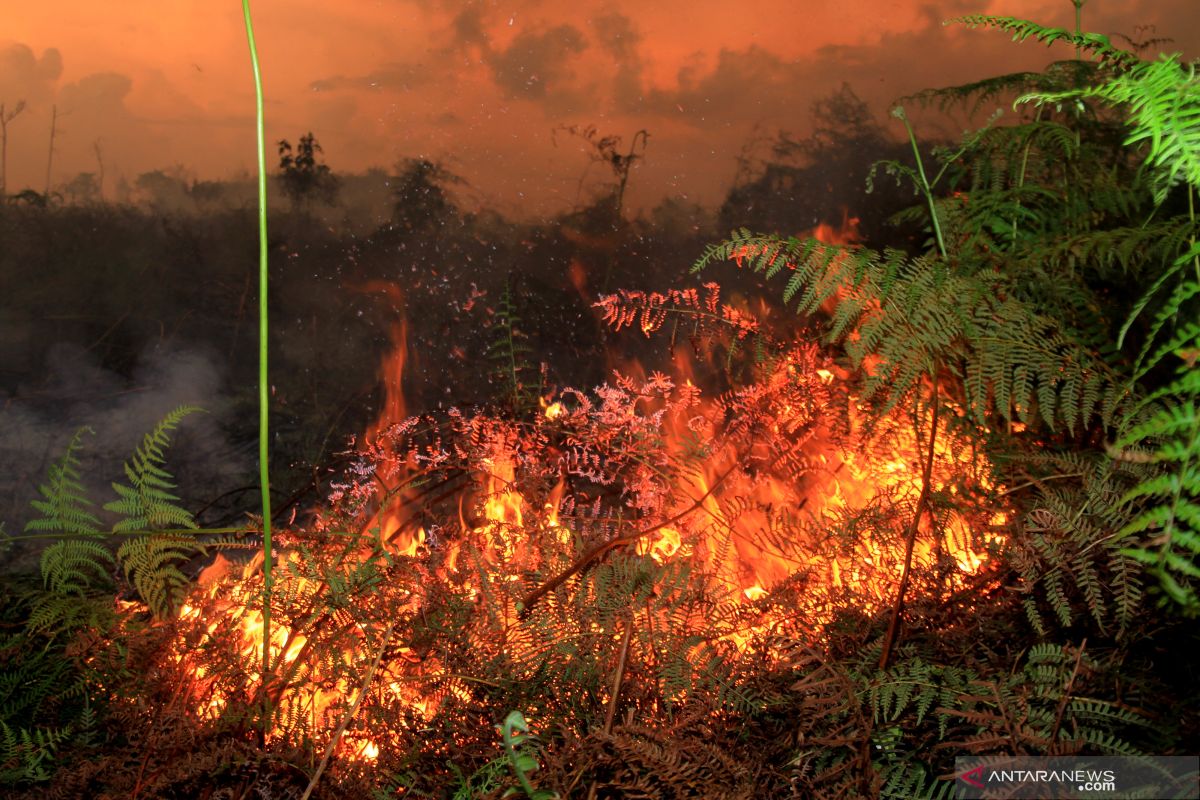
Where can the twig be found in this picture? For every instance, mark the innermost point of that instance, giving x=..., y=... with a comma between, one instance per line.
x=602, y=549
x=619, y=677
x=889, y=640
x=1066, y=695
x=1039, y=481
x=350, y=712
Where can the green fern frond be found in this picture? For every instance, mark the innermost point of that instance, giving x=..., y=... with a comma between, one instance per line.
x=1168, y=515
x=509, y=353
x=1163, y=100
x=145, y=503
x=1154, y=351
x=914, y=313
x=73, y=566
x=151, y=562
x=26, y=754
x=64, y=504
x=1022, y=30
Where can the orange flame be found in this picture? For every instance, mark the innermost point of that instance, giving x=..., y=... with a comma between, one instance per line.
x=743, y=503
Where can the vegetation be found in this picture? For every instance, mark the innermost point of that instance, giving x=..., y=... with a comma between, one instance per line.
x=948, y=505
x=303, y=178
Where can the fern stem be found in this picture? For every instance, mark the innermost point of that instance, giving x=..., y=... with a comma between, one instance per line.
x=1066, y=695
x=926, y=188
x=1079, y=4
x=914, y=526
x=263, y=407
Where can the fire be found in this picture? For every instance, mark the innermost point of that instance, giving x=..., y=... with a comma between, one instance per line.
x=666, y=545
x=753, y=593
x=744, y=486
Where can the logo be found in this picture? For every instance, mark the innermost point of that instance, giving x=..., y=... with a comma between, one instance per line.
x=973, y=777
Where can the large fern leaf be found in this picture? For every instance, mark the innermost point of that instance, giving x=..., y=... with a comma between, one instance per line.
x=1168, y=522
x=146, y=501
x=1163, y=99
x=74, y=563
x=1021, y=29
x=64, y=504
x=912, y=314
x=152, y=562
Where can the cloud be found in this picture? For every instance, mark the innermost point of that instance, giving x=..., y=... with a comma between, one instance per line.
x=25, y=76
x=537, y=64
x=618, y=37
x=468, y=28
x=743, y=86
x=398, y=76
x=99, y=92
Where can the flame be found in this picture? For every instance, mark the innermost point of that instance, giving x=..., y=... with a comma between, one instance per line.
x=730, y=531
x=663, y=547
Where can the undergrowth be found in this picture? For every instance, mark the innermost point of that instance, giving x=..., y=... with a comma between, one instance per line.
x=965, y=522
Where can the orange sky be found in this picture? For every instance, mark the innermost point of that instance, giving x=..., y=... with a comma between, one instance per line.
x=482, y=84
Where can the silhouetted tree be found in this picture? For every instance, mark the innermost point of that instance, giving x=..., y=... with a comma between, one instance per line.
x=83, y=189
x=302, y=177
x=821, y=177
x=36, y=199
x=6, y=116
x=606, y=150
x=163, y=189
x=208, y=194
x=421, y=201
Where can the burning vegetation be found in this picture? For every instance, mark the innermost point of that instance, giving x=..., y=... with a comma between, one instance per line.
x=659, y=552
x=781, y=555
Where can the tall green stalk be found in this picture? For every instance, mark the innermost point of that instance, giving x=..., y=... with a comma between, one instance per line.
x=263, y=415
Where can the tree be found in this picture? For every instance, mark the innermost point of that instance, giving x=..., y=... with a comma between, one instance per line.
x=821, y=177
x=422, y=203
x=605, y=151
x=6, y=116
x=163, y=189
x=304, y=179
x=83, y=189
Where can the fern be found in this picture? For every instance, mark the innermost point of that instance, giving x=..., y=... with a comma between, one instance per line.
x=27, y=754
x=146, y=502
x=1068, y=552
x=1163, y=100
x=975, y=95
x=509, y=352
x=1169, y=503
x=64, y=504
x=916, y=687
x=915, y=313
x=79, y=559
x=1022, y=30
x=151, y=562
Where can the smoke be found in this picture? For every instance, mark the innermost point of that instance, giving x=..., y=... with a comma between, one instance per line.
x=37, y=422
